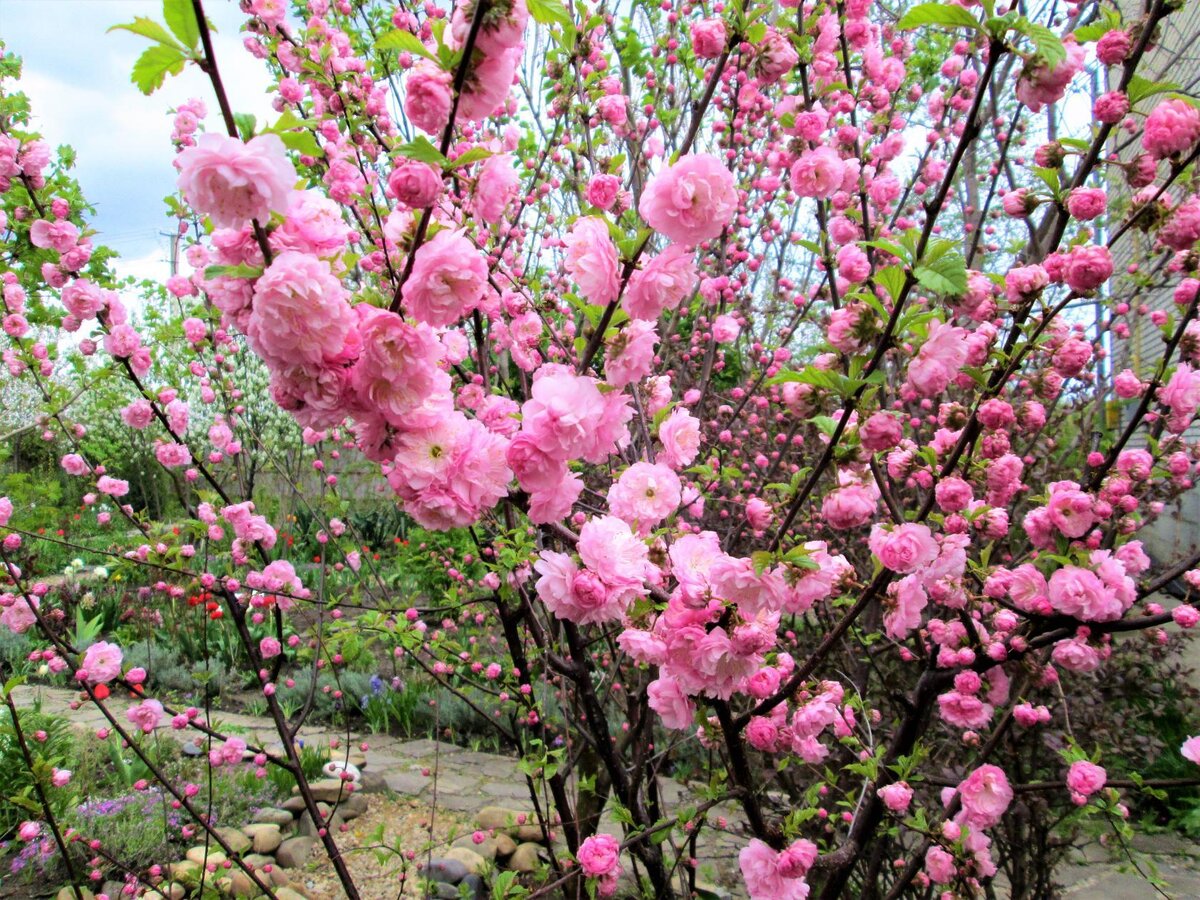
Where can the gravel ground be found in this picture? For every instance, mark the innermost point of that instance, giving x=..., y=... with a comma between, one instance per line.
x=379, y=866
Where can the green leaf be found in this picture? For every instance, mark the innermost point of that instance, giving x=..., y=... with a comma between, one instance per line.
x=242, y=271
x=946, y=274
x=422, y=150
x=181, y=19
x=246, y=123
x=148, y=28
x=402, y=41
x=550, y=12
x=302, y=142
x=1141, y=88
x=937, y=14
x=1049, y=45
x=151, y=68
x=474, y=155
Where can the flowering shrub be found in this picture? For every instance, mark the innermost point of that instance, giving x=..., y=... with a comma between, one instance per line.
x=752, y=345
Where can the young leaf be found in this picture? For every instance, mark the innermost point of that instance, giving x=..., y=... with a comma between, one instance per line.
x=148, y=28
x=403, y=41
x=550, y=12
x=181, y=19
x=422, y=150
x=151, y=68
x=937, y=14
x=947, y=274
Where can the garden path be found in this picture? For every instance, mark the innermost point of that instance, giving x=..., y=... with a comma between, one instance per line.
x=451, y=778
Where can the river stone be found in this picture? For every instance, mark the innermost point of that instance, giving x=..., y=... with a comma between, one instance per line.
x=202, y=855
x=309, y=828
x=257, y=860
x=329, y=790
x=505, y=845
x=241, y=885
x=184, y=870
x=287, y=893
x=264, y=837
x=510, y=822
x=68, y=893
x=475, y=887
x=525, y=858
x=445, y=891
x=469, y=858
x=447, y=871
x=278, y=817
x=353, y=806
x=171, y=890
x=487, y=849
x=294, y=805
x=293, y=852
x=237, y=841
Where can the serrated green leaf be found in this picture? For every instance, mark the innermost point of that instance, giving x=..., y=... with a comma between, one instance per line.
x=1049, y=45
x=946, y=274
x=550, y=12
x=402, y=41
x=1141, y=88
x=937, y=14
x=181, y=19
x=148, y=28
x=474, y=155
x=151, y=68
x=302, y=142
x=246, y=123
x=240, y=271
x=422, y=150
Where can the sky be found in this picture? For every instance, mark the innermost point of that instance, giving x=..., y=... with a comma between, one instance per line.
x=77, y=79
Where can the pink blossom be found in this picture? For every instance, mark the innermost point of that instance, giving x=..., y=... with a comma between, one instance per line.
x=398, y=367
x=428, y=97
x=760, y=867
x=708, y=38
x=602, y=190
x=1086, y=777
x=1172, y=128
x=691, y=201
x=232, y=182
x=496, y=186
x=600, y=857
x=679, y=434
x=818, y=173
x=1087, y=203
x=1191, y=749
x=102, y=662
x=1081, y=594
x=448, y=280
x=1113, y=47
x=415, y=184
x=896, y=796
x=1181, y=394
x=612, y=551
x=591, y=260
x=904, y=548
x=300, y=314
x=1111, y=107
x=631, y=353
x=1088, y=267
x=645, y=494
x=146, y=715
x=985, y=796
x=906, y=600
x=666, y=281
x=939, y=360
x=668, y=699
x=229, y=753
x=1039, y=85
x=849, y=507
x=20, y=615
